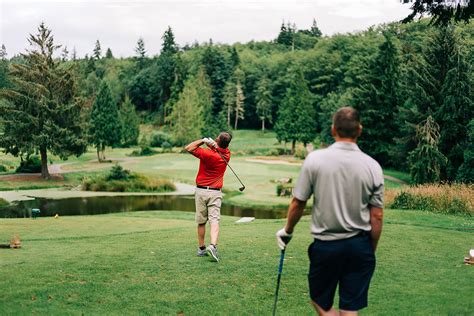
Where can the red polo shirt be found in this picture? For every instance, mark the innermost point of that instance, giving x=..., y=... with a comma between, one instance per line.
x=211, y=166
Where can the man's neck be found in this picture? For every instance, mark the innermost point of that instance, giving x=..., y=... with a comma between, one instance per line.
x=347, y=140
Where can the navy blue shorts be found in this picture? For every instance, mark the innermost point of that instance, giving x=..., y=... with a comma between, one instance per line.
x=347, y=262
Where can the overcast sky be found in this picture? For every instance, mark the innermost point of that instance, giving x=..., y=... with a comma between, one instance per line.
x=119, y=23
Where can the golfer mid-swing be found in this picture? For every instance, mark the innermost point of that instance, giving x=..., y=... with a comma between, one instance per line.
x=209, y=181
x=348, y=187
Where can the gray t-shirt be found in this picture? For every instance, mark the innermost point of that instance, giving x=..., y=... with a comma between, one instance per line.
x=344, y=181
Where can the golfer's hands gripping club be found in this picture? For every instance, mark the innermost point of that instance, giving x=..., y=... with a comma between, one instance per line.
x=283, y=238
x=209, y=142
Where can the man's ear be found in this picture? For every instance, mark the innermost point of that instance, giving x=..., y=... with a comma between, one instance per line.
x=359, y=131
x=333, y=131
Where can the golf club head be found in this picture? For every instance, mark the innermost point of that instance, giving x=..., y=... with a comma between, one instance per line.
x=242, y=188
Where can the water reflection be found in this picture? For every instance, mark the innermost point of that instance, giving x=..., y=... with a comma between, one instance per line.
x=115, y=204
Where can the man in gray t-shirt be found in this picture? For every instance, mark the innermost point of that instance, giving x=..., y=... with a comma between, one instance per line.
x=347, y=187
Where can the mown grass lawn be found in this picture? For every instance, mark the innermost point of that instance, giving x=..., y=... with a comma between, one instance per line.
x=145, y=263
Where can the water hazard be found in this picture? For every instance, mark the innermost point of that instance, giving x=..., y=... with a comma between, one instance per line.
x=114, y=204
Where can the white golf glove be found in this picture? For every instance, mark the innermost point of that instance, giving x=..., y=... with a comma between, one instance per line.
x=209, y=142
x=283, y=238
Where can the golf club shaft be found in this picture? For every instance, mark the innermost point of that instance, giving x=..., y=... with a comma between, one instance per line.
x=227, y=163
x=280, y=269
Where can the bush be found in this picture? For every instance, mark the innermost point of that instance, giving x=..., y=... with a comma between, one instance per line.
x=159, y=139
x=144, y=151
x=444, y=198
x=3, y=168
x=166, y=147
x=118, y=173
x=3, y=202
x=120, y=180
x=31, y=165
x=284, y=189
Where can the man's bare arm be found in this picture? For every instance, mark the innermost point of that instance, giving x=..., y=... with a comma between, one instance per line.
x=295, y=211
x=376, y=221
x=194, y=145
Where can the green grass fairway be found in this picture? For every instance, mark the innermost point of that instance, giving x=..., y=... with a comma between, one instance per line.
x=145, y=263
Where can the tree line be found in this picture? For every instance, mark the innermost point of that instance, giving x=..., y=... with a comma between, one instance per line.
x=411, y=82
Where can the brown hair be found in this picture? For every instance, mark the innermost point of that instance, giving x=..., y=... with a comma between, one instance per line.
x=224, y=139
x=346, y=122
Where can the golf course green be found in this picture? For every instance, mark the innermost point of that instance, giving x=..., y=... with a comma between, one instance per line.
x=145, y=262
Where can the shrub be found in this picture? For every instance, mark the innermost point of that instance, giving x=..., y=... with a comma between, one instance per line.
x=159, y=139
x=443, y=198
x=284, y=189
x=32, y=164
x=3, y=168
x=118, y=173
x=166, y=146
x=120, y=180
x=144, y=151
x=3, y=202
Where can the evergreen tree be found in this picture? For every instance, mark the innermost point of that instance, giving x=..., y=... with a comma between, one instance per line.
x=105, y=127
x=141, y=53
x=377, y=99
x=108, y=54
x=3, y=52
x=130, y=123
x=264, y=101
x=3, y=67
x=466, y=171
x=187, y=119
x=74, y=54
x=239, y=104
x=169, y=45
x=296, y=115
x=218, y=71
x=456, y=110
x=426, y=160
x=97, y=53
x=286, y=35
x=314, y=30
x=43, y=113
x=234, y=58
x=64, y=54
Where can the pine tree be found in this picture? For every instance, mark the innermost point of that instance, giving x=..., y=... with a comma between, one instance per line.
x=264, y=101
x=456, y=110
x=296, y=115
x=74, y=54
x=466, y=171
x=130, y=123
x=426, y=160
x=3, y=52
x=141, y=53
x=187, y=119
x=377, y=99
x=108, y=54
x=43, y=113
x=97, y=53
x=3, y=67
x=315, y=31
x=64, y=54
x=105, y=129
x=239, y=104
x=169, y=45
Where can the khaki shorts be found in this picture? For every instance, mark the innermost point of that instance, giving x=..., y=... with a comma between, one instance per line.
x=208, y=205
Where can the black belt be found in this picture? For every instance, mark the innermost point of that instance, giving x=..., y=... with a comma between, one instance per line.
x=207, y=188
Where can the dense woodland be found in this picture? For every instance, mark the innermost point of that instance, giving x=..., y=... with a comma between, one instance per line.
x=412, y=84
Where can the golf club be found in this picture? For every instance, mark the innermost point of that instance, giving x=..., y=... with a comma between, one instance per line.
x=280, y=268
x=227, y=163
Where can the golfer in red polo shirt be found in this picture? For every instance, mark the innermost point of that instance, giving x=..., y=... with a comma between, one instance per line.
x=209, y=182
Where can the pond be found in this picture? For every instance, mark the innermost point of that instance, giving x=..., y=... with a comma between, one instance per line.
x=113, y=204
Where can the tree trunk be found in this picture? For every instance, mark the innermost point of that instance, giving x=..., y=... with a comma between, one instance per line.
x=236, y=121
x=44, y=163
x=293, y=143
x=98, y=153
x=103, y=152
x=228, y=116
x=263, y=126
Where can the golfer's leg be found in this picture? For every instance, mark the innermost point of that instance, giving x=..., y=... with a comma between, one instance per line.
x=201, y=231
x=214, y=214
x=214, y=233
x=322, y=312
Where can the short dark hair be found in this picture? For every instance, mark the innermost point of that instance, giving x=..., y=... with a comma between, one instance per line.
x=224, y=139
x=346, y=122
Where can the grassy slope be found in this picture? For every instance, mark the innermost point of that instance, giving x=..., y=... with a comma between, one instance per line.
x=145, y=263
